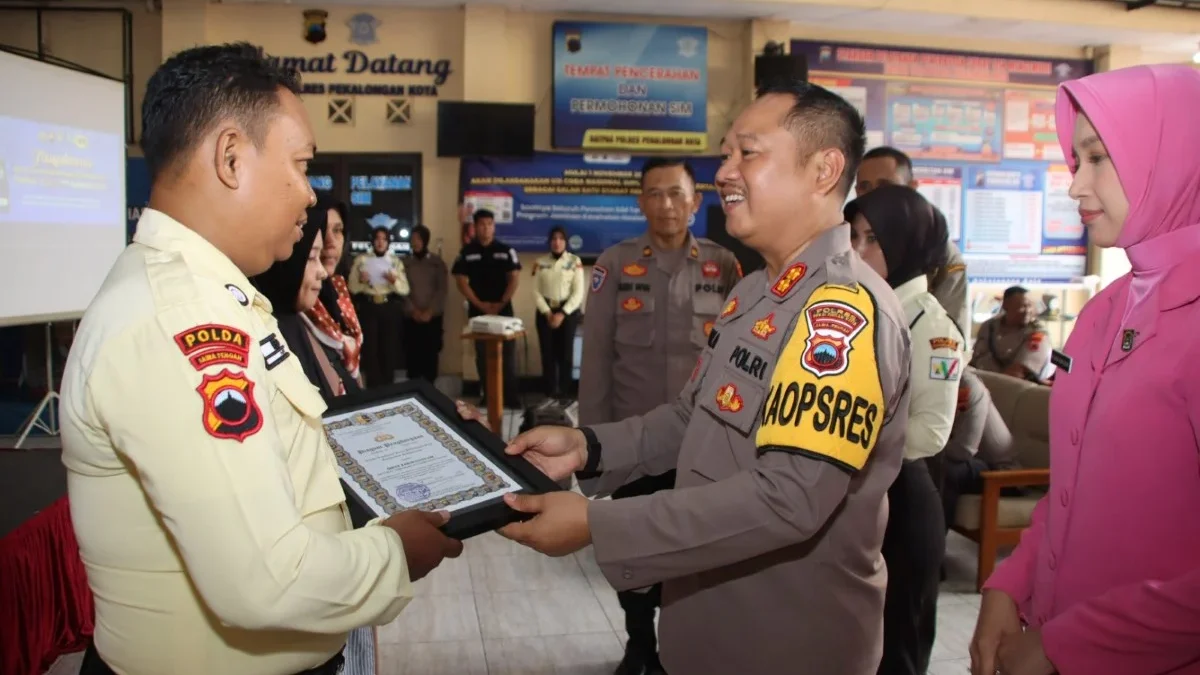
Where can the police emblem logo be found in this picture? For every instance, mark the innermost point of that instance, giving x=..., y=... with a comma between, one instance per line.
x=362, y=29
x=230, y=411
x=599, y=274
x=710, y=269
x=730, y=308
x=764, y=328
x=788, y=279
x=634, y=270
x=632, y=304
x=314, y=25
x=728, y=399
x=832, y=327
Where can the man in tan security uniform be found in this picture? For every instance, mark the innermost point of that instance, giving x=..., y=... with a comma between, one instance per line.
x=786, y=437
x=204, y=495
x=654, y=300
x=558, y=293
x=1013, y=342
x=884, y=165
x=380, y=307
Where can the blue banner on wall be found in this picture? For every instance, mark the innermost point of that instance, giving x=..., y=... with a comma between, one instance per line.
x=637, y=87
x=593, y=196
x=980, y=131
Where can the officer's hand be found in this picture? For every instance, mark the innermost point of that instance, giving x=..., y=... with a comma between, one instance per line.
x=557, y=451
x=362, y=276
x=470, y=412
x=998, y=617
x=391, y=277
x=424, y=544
x=560, y=526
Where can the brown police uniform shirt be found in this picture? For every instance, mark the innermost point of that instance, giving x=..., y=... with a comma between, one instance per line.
x=786, y=439
x=949, y=286
x=999, y=347
x=645, y=322
x=428, y=281
x=979, y=430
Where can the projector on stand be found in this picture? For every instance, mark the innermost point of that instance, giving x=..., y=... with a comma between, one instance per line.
x=495, y=325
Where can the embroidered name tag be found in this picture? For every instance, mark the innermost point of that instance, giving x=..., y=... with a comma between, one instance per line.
x=1061, y=361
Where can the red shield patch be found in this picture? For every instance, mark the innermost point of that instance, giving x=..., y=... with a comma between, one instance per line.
x=832, y=327
x=230, y=410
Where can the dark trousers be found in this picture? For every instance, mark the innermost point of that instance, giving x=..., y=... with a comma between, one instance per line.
x=422, y=345
x=558, y=349
x=93, y=665
x=639, y=607
x=381, y=340
x=913, y=547
x=508, y=368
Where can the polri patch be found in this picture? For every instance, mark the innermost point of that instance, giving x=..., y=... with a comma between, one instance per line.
x=212, y=343
x=230, y=411
x=599, y=274
x=832, y=327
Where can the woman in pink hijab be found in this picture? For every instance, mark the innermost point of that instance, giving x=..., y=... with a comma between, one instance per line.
x=1107, y=577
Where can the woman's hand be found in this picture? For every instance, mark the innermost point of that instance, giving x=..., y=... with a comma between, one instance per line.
x=998, y=619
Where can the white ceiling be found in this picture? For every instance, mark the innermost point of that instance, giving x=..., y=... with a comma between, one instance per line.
x=1182, y=43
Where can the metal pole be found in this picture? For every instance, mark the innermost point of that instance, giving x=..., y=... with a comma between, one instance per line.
x=49, y=401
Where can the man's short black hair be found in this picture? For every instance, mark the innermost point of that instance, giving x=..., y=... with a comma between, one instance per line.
x=197, y=88
x=423, y=233
x=903, y=161
x=481, y=214
x=1014, y=290
x=666, y=162
x=822, y=119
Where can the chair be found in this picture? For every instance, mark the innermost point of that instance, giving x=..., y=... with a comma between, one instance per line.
x=994, y=521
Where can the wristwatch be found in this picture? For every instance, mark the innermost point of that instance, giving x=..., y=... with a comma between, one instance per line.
x=591, y=468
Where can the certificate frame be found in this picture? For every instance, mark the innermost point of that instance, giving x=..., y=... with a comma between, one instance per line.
x=468, y=521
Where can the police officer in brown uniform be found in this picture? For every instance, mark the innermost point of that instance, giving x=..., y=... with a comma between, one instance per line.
x=786, y=438
x=1013, y=342
x=654, y=300
x=886, y=165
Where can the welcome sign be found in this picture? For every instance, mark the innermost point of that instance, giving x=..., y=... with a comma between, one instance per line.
x=358, y=62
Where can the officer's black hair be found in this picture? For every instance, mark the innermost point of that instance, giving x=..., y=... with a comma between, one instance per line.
x=903, y=162
x=384, y=229
x=1014, y=290
x=667, y=162
x=481, y=214
x=822, y=119
x=422, y=232
x=197, y=88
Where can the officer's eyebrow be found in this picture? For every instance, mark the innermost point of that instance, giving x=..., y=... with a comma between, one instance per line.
x=747, y=137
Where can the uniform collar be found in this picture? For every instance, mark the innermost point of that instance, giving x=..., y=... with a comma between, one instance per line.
x=912, y=288
x=835, y=241
x=158, y=231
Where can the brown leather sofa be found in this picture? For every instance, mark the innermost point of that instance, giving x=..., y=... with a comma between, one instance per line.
x=989, y=519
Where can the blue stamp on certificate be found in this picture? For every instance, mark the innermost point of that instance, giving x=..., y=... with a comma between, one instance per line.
x=412, y=493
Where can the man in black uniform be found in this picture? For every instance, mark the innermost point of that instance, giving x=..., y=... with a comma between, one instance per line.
x=487, y=272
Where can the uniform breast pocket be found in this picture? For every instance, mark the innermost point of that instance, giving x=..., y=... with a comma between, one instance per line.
x=705, y=308
x=734, y=401
x=635, y=320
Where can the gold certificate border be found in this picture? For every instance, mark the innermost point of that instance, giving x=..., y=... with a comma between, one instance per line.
x=492, y=482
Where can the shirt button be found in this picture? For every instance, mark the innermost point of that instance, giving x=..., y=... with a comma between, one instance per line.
x=1074, y=437
x=627, y=574
x=1064, y=498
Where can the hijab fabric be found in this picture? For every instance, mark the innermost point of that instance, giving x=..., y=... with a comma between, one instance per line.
x=1147, y=118
x=333, y=316
x=912, y=233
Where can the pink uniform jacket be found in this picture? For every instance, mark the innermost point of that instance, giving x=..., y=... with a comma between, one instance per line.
x=1110, y=568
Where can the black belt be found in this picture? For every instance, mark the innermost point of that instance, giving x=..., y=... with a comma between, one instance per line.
x=94, y=665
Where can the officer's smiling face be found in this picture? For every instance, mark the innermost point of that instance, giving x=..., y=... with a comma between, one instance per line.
x=764, y=180
x=1103, y=206
x=274, y=176
x=668, y=200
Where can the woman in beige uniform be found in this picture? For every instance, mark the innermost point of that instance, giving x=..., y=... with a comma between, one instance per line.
x=559, y=295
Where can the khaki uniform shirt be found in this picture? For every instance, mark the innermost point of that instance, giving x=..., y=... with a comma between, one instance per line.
x=937, y=363
x=428, y=282
x=786, y=439
x=979, y=430
x=377, y=292
x=204, y=495
x=999, y=347
x=949, y=286
x=559, y=284
x=645, y=323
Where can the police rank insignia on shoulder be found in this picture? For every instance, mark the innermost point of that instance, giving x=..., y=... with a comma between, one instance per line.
x=212, y=344
x=821, y=402
x=730, y=308
x=599, y=274
x=788, y=279
x=229, y=408
x=647, y=252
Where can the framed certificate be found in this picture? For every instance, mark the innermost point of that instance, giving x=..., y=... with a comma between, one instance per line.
x=404, y=447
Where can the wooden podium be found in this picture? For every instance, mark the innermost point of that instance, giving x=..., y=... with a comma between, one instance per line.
x=494, y=344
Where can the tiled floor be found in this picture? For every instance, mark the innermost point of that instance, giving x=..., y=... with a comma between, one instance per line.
x=502, y=609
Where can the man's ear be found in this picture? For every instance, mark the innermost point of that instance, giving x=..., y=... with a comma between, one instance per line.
x=831, y=164
x=228, y=156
